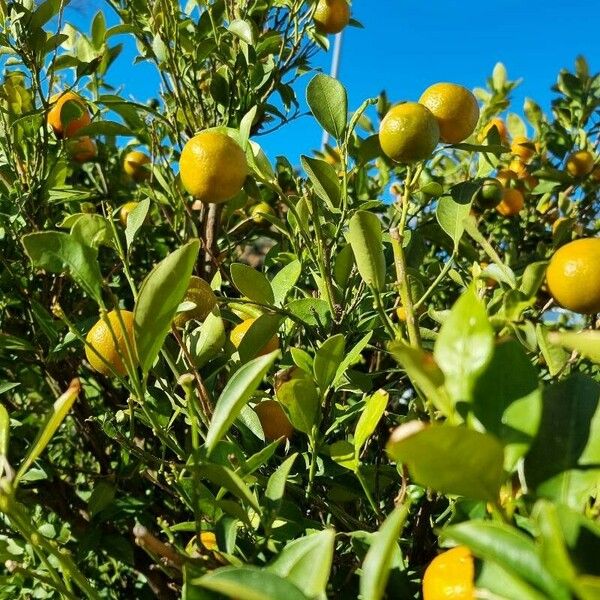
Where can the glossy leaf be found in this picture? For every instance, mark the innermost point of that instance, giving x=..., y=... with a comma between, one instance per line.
x=365, y=237
x=302, y=401
x=252, y=283
x=328, y=103
x=285, y=280
x=160, y=294
x=586, y=343
x=375, y=406
x=324, y=179
x=135, y=220
x=258, y=335
x=327, y=360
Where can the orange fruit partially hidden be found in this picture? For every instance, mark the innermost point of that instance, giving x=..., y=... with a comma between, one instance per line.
x=274, y=421
x=125, y=211
x=78, y=115
x=521, y=147
x=455, y=108
x=213, y=167
x=82, y=149
x=512, y=203
x=239, y=331
x=110, y=340
x=573, y=276
x=331, y=16
x=580, y=164
x=409, y=132
x=201, y=294
x=134, y=165
x=450, y=576
x=500, y=128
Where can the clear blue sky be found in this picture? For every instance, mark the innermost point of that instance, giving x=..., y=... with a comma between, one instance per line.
x=406, y=46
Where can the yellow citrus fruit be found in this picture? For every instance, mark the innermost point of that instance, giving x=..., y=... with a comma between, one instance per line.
x=134, y=165
x=490, y=193
x=331, y=16
x=500, y=128
x=82, y=149
x=580, y=164
x=450, y=576
x=274, y=421
x=573, y=276
x=521, y=147
x=259, y=211
x=57, y=121
x=209, y=540
x=557, y=223
x=213, y=167
x=455, y=108
x=125, y=211
x=201, y=294
x=103, y=341
x=518, y=167
x=239, y=331
x=409, y=132
x=512, y=203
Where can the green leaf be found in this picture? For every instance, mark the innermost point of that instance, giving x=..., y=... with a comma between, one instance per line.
x=504, y=584
x=507, y=400
x=243, y=30
x=135, y=220
x=328, y=103
x=301, y=400
x=160, y=294
x=249, y=583
x=276, y=488
x=351, y=358
x=240, y=387
x=464, y=345
x=98, y=29
x=312, y=311
x=563, y=463
x=108, y=128
x=102, y=497
x=342, y=453
x=379, y=558
x=365, y=237
x=60, y=410
x=324, y=179
x=327, y=360
x=306, y=562
x=258, y=335
x=252, y=284
x=206, y=342
x=556, y=358
x=93, y=231
x=509, y=548
x=284, y=281
x=451, y=215
x=424, y=373
x=4, y=431
x=587, y=342
x=229, y=480
x=375, y=406
x=451, y=460
x=58, y=252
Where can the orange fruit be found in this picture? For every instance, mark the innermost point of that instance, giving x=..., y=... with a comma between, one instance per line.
x=82, y=149
x=409, y=132
x=455, y=108
x=450, y=576
x=134, y=165
x=520, y=147
x=274, y=421
x=518, y=167
x=331, y=16
x=209, y=540
x=78, y=115
x=125, y=211
x=512, y=203
x=213, y=167
x=573, y=276
x=259, y=211
x=500, y=128
x=239, y=331
x=201, y=294
x=580, y=164
x=108, y=338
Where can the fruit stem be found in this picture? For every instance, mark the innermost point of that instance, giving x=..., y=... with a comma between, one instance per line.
x=313, y=460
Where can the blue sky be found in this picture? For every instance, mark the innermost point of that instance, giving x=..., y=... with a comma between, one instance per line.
x=406, y=46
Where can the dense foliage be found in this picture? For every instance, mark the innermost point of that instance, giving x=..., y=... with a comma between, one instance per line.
x=428, y=390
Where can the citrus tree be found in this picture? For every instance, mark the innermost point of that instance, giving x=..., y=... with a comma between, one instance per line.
x=366, y=373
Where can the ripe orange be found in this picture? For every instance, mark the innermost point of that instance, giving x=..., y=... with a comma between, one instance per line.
x=500, y=128
x=82, y=149
x=239, y=331
x=102, y=337
x=506, y=176
x=213, y=167
x=201, y=294
x=512, y=203
x=455, y=109
x=68, y=127
x=573, y=276
x=520, y=147
x=580, y=164
x=409, y=132
x=518, y=167
x=274, y=421
x=259, y=211
x=125, y=211
x=134, y=165
x=450, y=576
x=331, y=16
